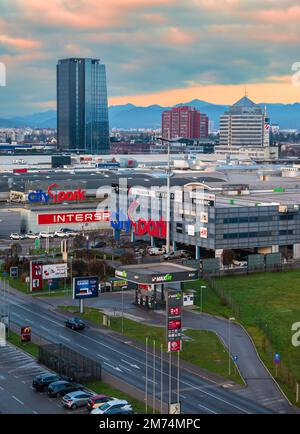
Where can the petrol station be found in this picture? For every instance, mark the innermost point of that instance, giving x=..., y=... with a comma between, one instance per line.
x=153, y=279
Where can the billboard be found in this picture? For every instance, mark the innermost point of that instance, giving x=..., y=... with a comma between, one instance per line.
x=85, y=287
x=55, y=271
x=173, y=320
x=73, y=217
x=36, y=276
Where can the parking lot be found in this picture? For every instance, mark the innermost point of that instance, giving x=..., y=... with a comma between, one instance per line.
x=17, y=371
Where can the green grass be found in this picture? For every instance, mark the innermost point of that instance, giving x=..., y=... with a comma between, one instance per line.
x=204, y=349
x=24, y=287
x=29, y=347
x=271, y=300
x=106, y=389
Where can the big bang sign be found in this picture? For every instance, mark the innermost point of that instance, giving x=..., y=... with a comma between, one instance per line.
x=39, y=196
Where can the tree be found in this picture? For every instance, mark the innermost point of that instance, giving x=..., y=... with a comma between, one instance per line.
x=228, y=256
x=79, y=267
x=127, y=258
x=79, y=241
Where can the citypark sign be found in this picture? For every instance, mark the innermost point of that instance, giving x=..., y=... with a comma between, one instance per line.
x=142, y=227
x=40, y=195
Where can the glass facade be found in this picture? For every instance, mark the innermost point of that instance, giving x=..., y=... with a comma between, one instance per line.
x=82, y=108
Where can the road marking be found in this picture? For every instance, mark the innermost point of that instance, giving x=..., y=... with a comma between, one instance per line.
x=113, y=367
x=150, y=381
x=35, y=412
x=126, y=369
x=84, y=348
x=17, y=399
x=102, y=357
x=207, y=409
x=63, y=337
x=1, y=388
x=28, y=320
x=130, y=364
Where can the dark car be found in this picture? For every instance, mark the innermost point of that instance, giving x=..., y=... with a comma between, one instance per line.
x=96, y=401
x=41, y=382
x=61, y=388
x=75, y=323
x=99, y=245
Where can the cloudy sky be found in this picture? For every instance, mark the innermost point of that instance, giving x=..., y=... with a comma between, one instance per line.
x=156, y=51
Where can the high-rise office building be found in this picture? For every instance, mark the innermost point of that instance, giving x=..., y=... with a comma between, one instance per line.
x=245, y=124
x=184, y=121
x=82, y=109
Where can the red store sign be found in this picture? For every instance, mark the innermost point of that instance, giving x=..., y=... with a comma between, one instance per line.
x=74, y=217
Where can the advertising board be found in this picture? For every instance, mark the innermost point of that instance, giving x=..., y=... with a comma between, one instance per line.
x=55, y=271
x=85, y=287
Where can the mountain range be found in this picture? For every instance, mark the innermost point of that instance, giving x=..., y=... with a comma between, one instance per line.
x=131, y=116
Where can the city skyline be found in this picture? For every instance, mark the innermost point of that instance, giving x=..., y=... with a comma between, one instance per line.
x=160, y=52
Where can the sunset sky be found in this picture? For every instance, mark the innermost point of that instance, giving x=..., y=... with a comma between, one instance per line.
x=156, y=51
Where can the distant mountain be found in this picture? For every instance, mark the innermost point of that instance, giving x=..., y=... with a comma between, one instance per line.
x=131, y=116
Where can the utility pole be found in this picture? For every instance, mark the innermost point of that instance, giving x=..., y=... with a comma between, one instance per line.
x=146, y=377
x=229, y=344
x=153, y=397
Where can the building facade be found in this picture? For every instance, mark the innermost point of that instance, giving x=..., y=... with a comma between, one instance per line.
x=184, y=121
x=82, y=109
x=245, y=124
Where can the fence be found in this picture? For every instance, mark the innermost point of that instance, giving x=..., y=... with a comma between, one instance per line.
x=70, y=363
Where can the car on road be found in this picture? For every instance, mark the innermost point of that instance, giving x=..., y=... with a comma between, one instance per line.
x=115, y=404
x=75, y=323
x=62, y=388
x=61, y=234
x=32, y=236
x=42, y=381
x=15, y=236
x=76, y=399
x=44, y=234
x=96, y=401
x=178, y=254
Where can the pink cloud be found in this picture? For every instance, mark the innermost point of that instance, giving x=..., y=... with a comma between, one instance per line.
x=279, y=16
x=176, y=36
x=84, y=14
x=19, y=43
x=216, y=4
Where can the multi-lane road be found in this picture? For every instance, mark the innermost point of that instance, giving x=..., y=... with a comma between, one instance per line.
x=127, y=362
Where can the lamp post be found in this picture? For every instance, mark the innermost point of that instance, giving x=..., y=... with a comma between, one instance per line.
x=229, y=344
x=123, y=287
x=201, y=296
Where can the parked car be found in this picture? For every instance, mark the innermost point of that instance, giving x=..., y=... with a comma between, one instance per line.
x=69, y=232
x=156, y=251
x=116, y=404
x=119, y=410
x=42, y=381
x=99, y=245
x=178, y=254
x=44, y=234
x=15, y=236
x=31, y=236
x=76, y=399
x=61, y=234
x=75, y=323
x=96, y=401
x=62, y=387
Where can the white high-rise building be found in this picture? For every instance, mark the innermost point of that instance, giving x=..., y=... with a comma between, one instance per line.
x=244, y=124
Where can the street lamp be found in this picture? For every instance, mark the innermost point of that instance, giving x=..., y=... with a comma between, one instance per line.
x=229, y=344
x=201, y=288
x=123, y=287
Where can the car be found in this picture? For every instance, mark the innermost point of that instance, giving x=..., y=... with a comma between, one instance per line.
x=119, y=410
x=15, y=236
x=62, y=388
x=99, y=245
x=178, y=254
x=108, y=406
x=42, y=381
x=31, y=236
x=96, y=401
x=69, y=232
x=156, y=251
x=76, y=399
x=46, y=234
x=61, y=234
x=75, y=323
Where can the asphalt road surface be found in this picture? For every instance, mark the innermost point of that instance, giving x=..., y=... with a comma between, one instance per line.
x=126, y=362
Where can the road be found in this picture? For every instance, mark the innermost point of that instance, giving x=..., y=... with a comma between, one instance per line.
x=121, y=359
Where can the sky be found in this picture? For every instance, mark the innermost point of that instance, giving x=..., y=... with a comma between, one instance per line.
x=156, y=51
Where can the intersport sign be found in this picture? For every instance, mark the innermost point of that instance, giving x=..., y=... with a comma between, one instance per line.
x=40, y=195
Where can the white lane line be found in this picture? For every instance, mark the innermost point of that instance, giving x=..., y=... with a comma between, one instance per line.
x=35, y=412
x=126, y=369
x=1, y=388
x=207, y=409
x=28, y=320
x=84, y=348
x=150, y=381
x=17, y=399
x=44, y=328
x=63, y=337
x=102, y=357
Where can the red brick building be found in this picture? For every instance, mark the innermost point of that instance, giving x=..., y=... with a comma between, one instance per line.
x=184, y=121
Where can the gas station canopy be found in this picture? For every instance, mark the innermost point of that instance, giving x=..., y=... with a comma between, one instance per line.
x=157, y=273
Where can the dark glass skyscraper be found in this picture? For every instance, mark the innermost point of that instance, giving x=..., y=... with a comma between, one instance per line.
x=82, y=110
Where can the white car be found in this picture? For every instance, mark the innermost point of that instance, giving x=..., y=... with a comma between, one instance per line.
x=156, y=251
x=61, y=234
x=116, y=403
x=32, y=236
x=15, y=236
x=46, y=234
